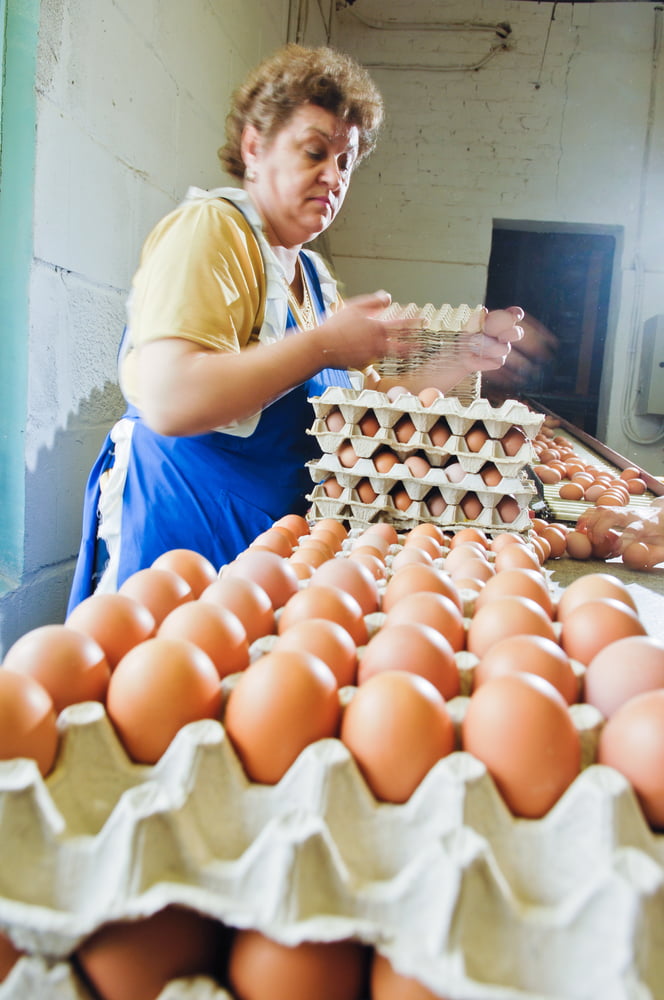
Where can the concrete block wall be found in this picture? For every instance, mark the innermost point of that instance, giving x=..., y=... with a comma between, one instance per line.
x=554, y=128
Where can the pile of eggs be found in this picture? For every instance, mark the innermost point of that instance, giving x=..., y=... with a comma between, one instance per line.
x=405, y=647
x=409, y=458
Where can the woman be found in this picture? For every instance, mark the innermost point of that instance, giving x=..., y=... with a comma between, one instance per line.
x=232, y=326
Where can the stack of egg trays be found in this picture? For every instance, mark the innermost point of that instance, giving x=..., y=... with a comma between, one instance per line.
x=457, y=892
x=354, y=404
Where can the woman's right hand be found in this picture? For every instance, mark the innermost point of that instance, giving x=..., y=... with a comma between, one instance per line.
x=355, y=335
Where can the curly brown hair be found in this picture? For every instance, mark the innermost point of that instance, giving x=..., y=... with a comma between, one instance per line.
x=294, y=76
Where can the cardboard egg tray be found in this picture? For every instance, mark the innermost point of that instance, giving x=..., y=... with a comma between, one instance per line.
x=354, y=403
x=450, y=886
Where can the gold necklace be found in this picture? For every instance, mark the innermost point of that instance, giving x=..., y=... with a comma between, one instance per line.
x=303, y=312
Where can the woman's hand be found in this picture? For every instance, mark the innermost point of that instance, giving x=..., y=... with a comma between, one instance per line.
x=535, y=349
x=357, y=335
x=488, y=348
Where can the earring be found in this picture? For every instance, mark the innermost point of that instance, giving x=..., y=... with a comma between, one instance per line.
x=250, y=174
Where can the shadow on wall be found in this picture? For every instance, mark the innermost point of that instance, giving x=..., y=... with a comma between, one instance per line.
x=54, y=492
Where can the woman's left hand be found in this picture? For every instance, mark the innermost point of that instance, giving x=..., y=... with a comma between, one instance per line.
x=488, y=347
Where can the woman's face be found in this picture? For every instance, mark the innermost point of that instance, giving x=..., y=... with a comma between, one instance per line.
x=302, y=174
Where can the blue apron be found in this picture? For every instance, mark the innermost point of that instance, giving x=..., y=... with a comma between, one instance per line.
x=213, y=493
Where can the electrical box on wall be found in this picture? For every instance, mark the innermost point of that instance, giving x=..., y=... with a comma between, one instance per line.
x=650, y=393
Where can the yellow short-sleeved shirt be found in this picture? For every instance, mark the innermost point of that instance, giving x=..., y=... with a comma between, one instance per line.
x=201, y=278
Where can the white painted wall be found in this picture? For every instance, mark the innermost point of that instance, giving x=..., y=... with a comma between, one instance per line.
x=552, y=129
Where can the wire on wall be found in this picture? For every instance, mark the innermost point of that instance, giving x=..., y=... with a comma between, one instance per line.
x=502, y=30
x=630, y=387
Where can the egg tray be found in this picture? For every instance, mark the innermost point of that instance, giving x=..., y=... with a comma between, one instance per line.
x=348, y=507
x=449, y=885
x=355, y=403
x=455, y=447
x=417, y=488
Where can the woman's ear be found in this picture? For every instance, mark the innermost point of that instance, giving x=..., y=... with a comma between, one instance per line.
x=250, y=144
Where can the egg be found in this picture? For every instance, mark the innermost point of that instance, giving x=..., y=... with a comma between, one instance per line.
x=353, y=578
x=260, y=968
x=400, y=498
x=156, y=688
x=395, y=391
x=476, y=437
x=533, y=654
x=426, y=543
x=519, y=726
x=70, y=665
x=327, y=640
x=284, y=701
x=440, y=433
x=640, y=556
x=415, y=577
x=335, y=421
x=388, y=984
x=319, y=600
x=384, y=530
x=518, y=582
x=397, y=728
x=28, y=725
x=135, y=959
x=594, y=624
x=429, y=395
x=455, y=472
x=623, y=669
x=417, y=465
x=491, y=476
x=159, y=590
x=513, y=441
x=375, y=565
x=507, y=616
x=116, y=621
x=516, y=556
x=471, y=506
x=246, y=599
x=578, y=545
x=193, y=567
x=410, y=554
x=508, y=509
x=404, y=429
x=274, y=540
x=435, y=610
x=499, y=541
x=413, y=647
x=328, y=536
x=214, y=629
x=427, y=528
x=632, y=742
x=369, y=424
x=384, y=460
x=270, y=571
x=571, y=491
x=9, y=956
x=332, y=488
x=347, y=455
x=295, y=523
x=436, y=503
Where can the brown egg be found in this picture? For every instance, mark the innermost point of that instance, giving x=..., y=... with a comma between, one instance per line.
x=28, y=726
x=417, y=466
x=397, y=727
x=263, y=969
x=520, y=583
x=284, y=701
x=352, y=577
x=332, y=488
x=303, y=570
x=476, y=437
x=156, y=688
x=506, y=616
x=640, y=556
x=335, y=421
x=594, y=624
x=117, y=622
x=375, y=565
x=329, y=536
x=388, y=984
x=471, y=506
x=369, y=424
x=327, y=640
x=331, y=524
x=347, y=455
x=9, y=956
x=413, y=578
x=404, y=429
x=557, y=539
x=325, y=601
x=246, y=599
x=274, y=574
x=490, y=474
x=373, y=539
x=312, y=558
x=472, y=536
x=533, y=654
x=193, y=567
x=216, y=630
x=571, y=491
x=295, y=523
x=547, y=475
x=440, y=433
x=274, y=540
x=400, y=498
x=505, y=538
x=472, y=569
x=578, y=545
x=70, y=665
x=135, y=959
x=384, y=460
x=427, y=528
x=515, y=557
x=384, y=530
x=622, y=670
x=435, y=610
x=428, y=396
x=632, y=742
x=513, y=441
x=508, y=509
x=159, y=590
x=426, y=543
x=317, y=541
x=590, y=586
x=519, y=726
x=415, y=648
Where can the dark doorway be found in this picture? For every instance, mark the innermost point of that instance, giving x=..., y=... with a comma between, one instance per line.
x=562, y=277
